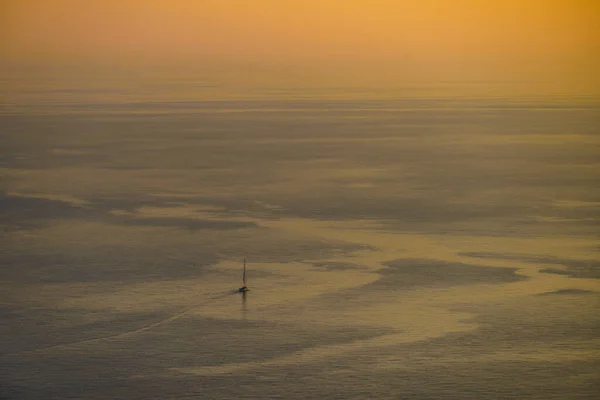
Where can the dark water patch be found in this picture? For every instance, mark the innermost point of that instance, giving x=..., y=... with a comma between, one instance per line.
x=584, y=272
x=409, y=273
x=24, y=212
x=127, y=203
x=576, y=292
x=337, y=266
x=405, y=214
x=407, y=211
x=575, y=268
x=273, y=248
x=188, y=223
x=115, y=248
x=102, y=264
x=418, y=274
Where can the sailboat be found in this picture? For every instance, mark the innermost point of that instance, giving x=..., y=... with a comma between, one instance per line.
x=244, y=288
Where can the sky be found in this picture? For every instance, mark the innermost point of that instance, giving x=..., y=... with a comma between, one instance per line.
x=359, y=40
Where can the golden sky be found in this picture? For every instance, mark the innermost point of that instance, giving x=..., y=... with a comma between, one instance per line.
x=438, y=39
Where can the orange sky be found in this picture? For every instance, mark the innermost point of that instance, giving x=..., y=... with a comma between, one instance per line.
x=453, y=39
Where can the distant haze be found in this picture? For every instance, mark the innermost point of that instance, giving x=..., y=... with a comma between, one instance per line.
x=326, y=42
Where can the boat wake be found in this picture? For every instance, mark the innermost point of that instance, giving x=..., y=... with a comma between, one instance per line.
x=121, y=335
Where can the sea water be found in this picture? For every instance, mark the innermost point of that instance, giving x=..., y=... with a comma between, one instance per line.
x=415, y=243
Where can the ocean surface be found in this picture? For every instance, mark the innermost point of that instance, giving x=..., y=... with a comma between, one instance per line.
x=425, y=242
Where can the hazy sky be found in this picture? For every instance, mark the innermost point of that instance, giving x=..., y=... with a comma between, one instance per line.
x=434, y=39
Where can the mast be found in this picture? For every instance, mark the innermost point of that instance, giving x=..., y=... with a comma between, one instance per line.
x=244, y=276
